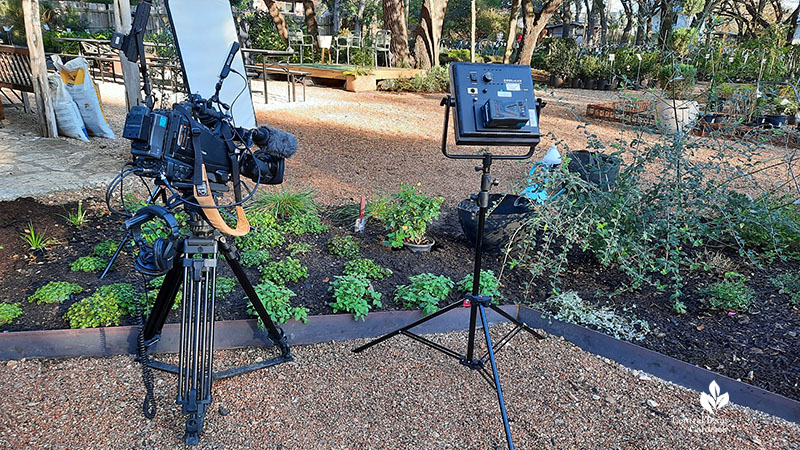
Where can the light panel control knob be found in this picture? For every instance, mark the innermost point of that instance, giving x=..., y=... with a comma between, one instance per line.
x=487, y=77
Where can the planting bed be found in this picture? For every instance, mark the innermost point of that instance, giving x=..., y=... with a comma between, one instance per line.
x=760, y=347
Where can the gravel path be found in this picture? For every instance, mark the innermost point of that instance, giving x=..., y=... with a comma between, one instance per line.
x=398, y=395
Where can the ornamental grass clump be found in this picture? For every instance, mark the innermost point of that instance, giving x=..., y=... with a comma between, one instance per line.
x=408, y=215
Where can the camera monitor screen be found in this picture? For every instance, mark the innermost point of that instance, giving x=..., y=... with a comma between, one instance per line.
x=204, y=31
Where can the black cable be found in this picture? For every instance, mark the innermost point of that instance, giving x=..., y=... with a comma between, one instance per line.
x=149, y=403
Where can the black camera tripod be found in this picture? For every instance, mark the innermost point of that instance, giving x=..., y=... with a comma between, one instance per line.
x=195, y=268
x=476, y=302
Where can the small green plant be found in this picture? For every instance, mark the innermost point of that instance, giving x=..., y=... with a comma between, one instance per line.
x=298, y=248
x=88, y=264
x=679, y=307
x=266, y=232
x=284, y=271
x=305, y=223
x=343, y=246
x=425, y=291
x=9, y=312
x=254, y=258
x=55, y=292
x=276, y=300
x=78, y=218
x=105, y=249
x=489, y=285
x=730, y=294
x=570, y=307
x=37, y=241
x=788, y=284
x=366, y=268
x=225, y=286
x=408, y=216
x=104, y=308
x=285, y=202
x=353, y=294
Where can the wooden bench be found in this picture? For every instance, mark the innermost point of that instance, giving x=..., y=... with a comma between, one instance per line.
x=15, y=73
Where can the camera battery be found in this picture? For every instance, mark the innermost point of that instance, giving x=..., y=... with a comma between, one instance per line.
x=499, y=114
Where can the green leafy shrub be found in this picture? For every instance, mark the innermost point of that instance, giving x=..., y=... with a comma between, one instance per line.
x=788, y=284
x=105, y=249
x=434, y=80
x=570, y=307
x=425, y=291
x=298, y=248
x=254, y=258
x=104, y=308
x=265, y=232
x=285, y=202
x=309, y=222
x=343, y=246
x=88, y=264
x=276, y=300
x=9, y=312
x=408, y=216
x=353, y=294
x=55, y=292
x=284, y=271
x=489, y=285
x=678, y=80
x=224, y=287
x=562, y=57
x=732, y=293
x=366, y=268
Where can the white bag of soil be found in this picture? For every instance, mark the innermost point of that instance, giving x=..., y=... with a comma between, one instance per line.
x=75, y=75
x=68, y=117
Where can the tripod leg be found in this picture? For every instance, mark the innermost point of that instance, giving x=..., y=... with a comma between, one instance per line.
x=275, y=333
x=407, y=327
x=164, y=301
x=496, y=377
x=515, y=321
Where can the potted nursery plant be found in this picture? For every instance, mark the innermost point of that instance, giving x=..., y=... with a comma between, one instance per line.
x=603, y=76
x=360, y=79
x=589, y=69
x=676, y=111
x=407, y=217
x=775, y=114
x=561, y=60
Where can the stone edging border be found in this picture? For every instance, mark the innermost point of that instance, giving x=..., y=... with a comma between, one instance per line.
x=342, y=327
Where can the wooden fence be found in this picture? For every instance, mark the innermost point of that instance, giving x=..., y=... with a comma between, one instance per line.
x=100, y=16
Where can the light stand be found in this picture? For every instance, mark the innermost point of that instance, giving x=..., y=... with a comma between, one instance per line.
x=476, y=302
x=197, y=272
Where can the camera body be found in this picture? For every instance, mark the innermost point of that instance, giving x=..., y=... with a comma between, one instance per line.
x=164, y=142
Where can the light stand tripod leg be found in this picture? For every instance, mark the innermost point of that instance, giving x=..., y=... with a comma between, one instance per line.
x=496, y=377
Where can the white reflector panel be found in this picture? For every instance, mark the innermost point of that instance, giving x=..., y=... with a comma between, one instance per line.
x=204, y=31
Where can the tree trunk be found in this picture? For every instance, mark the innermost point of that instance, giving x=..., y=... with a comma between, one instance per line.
x=667, y=20
x=512, y=30
x=792, y=22
x=534, y=24
x=642, y=27
x=360, y=14
x=311, y=22
x=41, y=88
x=629, y=18
x=277, y=19
x=428, y=33
x=130, y=70
x=588, y=35
x=337, y=7
x=601, y=10
x=566, y=20
x=394, y=20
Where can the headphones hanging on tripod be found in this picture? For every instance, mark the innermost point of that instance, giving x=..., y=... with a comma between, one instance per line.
x=159, y=258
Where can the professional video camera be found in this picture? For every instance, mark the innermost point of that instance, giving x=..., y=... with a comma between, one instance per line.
x=169, y=143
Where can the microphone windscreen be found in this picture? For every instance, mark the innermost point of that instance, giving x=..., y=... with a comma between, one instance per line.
x=275, y=142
